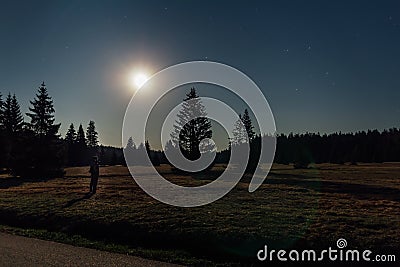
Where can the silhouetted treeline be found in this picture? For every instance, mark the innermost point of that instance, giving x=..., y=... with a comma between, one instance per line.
x=370, y=146
x=36, y=149
x=82, y=146
x=134, y=154
x=109, y=155
x=302, y=149
x=30, y=148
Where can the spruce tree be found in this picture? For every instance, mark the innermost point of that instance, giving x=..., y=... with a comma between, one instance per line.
x=70, y=137
x=147, y=145
x=11, y=115
x=81, y=156
x=130, y=144
x=12, y=128
x=3, y=154
x=42, y=149
x=80, y=137
x=187, y=133
x=92, y=135
x=42, y=114
x=248, y=125
x=1, y=111
x=130, y=152
x=239, y=133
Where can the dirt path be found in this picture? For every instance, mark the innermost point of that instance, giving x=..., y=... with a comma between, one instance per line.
x=23, y=251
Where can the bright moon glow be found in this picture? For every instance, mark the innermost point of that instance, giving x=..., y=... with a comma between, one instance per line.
x=139, y=79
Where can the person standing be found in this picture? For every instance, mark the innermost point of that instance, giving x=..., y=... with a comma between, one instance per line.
x=94, y=173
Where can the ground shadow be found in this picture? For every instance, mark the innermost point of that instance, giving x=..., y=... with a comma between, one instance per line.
x=290, y=175
x=9, y=182
x=360, y=191
x=74, y=201
x=103, y=175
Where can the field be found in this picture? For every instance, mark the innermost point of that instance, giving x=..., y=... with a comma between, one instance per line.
x=308, y=209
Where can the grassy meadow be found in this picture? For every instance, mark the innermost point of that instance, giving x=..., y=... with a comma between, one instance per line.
x=294, y=208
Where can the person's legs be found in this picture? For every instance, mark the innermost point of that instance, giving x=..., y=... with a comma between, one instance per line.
x=91, y=184
x=94, y=188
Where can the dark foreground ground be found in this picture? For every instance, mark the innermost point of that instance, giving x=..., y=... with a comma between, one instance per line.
x=294, y=209
x=21, y=251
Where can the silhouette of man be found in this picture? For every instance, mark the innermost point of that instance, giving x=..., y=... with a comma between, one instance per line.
x=94, y=172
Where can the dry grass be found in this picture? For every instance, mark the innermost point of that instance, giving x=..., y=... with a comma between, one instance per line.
x=295, y=208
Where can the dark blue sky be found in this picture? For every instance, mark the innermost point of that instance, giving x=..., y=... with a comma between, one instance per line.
x=323, y=65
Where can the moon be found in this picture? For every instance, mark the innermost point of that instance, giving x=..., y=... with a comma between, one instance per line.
x=138, y=79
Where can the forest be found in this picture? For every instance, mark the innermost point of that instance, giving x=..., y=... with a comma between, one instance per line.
x=36, y=148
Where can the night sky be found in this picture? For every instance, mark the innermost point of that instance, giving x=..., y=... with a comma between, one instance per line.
x=324, y=66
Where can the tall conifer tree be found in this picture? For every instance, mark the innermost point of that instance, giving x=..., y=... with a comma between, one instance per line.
x=248, y=125
x=11, y=115
x=70, y=137
x=92, y=135
x=42, y=114
x=187, y=133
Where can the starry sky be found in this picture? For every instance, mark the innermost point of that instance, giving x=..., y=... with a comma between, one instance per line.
x=324, y=66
